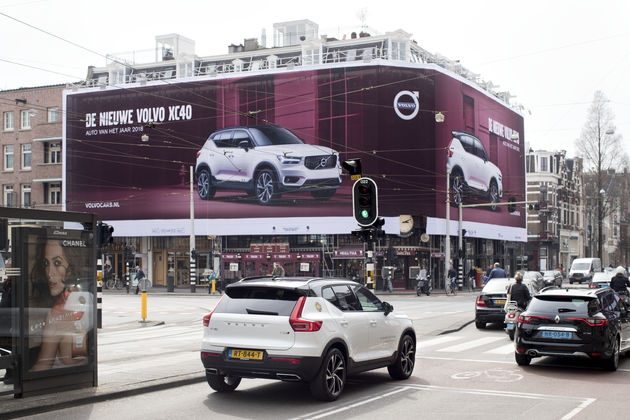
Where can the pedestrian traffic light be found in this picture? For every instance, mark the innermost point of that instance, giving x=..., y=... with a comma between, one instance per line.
x=105, y=233
x=365, y=202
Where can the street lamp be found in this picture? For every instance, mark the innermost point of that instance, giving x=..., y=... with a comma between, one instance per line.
x=600, y=217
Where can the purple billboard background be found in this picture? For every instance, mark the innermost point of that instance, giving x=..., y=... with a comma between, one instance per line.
x=111, y=171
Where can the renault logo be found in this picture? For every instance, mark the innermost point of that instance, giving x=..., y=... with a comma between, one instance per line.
x=557, y=319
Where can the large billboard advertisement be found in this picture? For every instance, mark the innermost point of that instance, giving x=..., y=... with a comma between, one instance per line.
x=266, y=151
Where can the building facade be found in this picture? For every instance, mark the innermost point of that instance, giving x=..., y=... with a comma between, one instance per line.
x=31, y=147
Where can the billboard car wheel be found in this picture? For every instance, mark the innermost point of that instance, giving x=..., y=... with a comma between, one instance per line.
x=204, y=185
x=266, y=187
x=457, y=187
x=493, y=194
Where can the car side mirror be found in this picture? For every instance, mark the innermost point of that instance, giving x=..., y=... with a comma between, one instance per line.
x=388, y=307
x=244, y=144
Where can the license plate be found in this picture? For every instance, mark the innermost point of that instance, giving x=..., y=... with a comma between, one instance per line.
x=557, y=334
x=246, y=354
x=499, y=301
x=510, y=326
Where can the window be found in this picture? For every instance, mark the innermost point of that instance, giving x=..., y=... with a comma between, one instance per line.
x=8, y=121
x=8, y=158
x=52, y=153
x=25, y=120
x=369, y=302
x=54, y=193
x=531, y=163
x=26, y=195
x=398, y=51
x=53, y=114
x=345, y=299
x=544, y=164
x=8, y=196
x=26, y=156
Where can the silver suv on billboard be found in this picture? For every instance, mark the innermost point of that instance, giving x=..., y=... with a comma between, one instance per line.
x=265, y=161
x=471, y=170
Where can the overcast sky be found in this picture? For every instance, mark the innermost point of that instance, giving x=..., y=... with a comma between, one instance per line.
x=553, y=55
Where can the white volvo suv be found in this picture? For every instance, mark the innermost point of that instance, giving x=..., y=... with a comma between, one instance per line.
x=265, y=161
x=312, y=330
x=471, y=170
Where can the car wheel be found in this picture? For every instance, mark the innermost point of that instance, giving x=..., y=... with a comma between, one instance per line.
x=205, y=189
x=331, y=378
x=265, y=185
x=522, y=359
x=570, y=281
x=612, y=363
x=222, y=383
x=493, y=194
x=402, y=368
x=480, y=325
x=511, y=335
x=457, y=188
x=324, y=194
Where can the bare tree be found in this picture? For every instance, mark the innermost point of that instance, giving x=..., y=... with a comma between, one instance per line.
x=603, y=152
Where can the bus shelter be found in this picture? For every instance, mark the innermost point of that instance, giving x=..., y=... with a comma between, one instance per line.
x=48, y=301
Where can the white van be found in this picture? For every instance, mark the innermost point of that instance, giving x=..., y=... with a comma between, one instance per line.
x=582, y=269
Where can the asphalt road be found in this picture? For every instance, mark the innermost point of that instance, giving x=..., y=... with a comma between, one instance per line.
x=467, y=373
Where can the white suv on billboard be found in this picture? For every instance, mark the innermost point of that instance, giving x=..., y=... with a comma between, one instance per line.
x=314, y=330
x=265, y=161
x=471, y=170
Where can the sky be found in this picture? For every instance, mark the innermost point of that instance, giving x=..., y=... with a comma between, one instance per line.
x=552, y=55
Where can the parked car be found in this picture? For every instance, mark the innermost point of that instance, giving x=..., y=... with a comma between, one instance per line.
x=491, y=301
x=265, y=161
x=471, y=169
x=582, y=269
x=315, y=330
x=574, y=322
x=601, y=280
x=552, y=278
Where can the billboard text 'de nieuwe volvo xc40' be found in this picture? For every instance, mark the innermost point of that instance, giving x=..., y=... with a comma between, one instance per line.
x=265, y=161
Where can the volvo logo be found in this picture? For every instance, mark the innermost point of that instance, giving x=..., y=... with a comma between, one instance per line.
x=323, y=162
x=557, y=319
x=406, y=104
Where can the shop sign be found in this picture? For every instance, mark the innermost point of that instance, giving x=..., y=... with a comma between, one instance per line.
x=438, y=255
x=269, y=248
x=233, y=266
x=254, y=257
x=310, y=256
x=304, y=267
x=405, y=252
x=348, y=253
x=282, y=256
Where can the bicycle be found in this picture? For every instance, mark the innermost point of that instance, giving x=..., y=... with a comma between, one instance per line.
x=451, y=287
x=114, y=283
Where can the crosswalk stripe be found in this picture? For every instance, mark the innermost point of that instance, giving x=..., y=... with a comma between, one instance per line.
x=471, y=344
x=436, y=341
x=506, y=349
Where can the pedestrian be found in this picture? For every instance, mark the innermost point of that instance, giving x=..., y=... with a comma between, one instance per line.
x=497, y=272
x=518, y=292
x=139, y=276
x=278, y=270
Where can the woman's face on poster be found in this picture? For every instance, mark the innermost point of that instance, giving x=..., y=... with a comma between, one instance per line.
x=55, y=266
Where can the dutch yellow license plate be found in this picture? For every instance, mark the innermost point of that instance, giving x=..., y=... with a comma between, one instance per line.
x=246, y=354
x=499, y=301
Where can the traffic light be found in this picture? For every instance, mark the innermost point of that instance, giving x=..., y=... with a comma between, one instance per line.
x=511, y=207
x=193, y=254
x=105, y=233
x=365, y=202
x=534, y=206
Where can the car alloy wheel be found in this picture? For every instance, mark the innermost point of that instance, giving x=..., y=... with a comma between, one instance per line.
x=330, y=380
x=612, y=363
x=457, y=188
x=493, y=194
x=265, y=186
x=204, y=185
x=402, y=368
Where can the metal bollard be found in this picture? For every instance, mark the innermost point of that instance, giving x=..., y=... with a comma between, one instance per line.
x=144, y=307
x=214, y=289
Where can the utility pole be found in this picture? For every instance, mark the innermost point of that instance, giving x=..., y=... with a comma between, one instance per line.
x=447, y=245
x=193, y=263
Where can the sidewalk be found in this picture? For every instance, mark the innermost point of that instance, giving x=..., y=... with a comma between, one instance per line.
x=137, y=376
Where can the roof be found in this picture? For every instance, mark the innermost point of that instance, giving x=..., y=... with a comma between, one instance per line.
x=567, y=291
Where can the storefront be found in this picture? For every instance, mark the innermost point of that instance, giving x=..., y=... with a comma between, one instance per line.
x=238, y=265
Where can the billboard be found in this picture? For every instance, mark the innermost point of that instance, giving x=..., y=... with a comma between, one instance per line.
x=266, y=150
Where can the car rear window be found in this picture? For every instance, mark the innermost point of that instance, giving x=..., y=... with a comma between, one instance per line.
x=258, y=301
x=496, y=286
x=564, y=304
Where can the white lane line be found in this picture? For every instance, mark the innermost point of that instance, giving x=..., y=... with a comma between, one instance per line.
x=503, y=362
x=439, y=340
x=506, y=349
x=470, y=344
x=576, y=410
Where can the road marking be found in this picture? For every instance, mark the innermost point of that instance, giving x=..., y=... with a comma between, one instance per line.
x=576, y=410
x=470, y=344
x=506, y=349
x=438, y=340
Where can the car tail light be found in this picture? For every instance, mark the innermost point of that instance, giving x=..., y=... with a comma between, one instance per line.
x=206, y=318
x=299, y=324
x=510, y=315
x=290, y=361
x=199, y=153
x=593, y=322
x=592, y=286
x=205, y=354
x=480, y=302
x=596, y=354
x=525, y=319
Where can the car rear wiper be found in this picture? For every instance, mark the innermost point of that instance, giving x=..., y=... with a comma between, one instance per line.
x=560, y=310
x=257, y=312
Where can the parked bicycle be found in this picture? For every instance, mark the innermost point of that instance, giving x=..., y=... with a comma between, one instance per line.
x=115, y=283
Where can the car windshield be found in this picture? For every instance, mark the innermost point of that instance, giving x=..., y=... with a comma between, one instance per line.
x=581, y=266
x=271, y=136
x=563, y=304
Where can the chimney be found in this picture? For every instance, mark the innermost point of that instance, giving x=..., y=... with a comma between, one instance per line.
x=251, y=44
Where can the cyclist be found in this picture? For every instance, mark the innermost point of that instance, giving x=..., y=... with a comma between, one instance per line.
x=620, y=282
x=139, y=276
x=452, y=278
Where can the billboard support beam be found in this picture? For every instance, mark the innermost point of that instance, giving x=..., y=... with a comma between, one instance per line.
x=447, y=245
x=192, y=263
